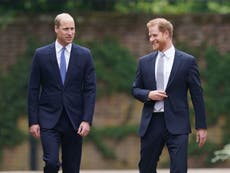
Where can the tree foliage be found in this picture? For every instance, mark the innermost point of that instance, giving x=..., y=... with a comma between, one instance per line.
x=126, y=6
x=217, y=82
x=13, y=89
x=115, y=66
x=174, y=6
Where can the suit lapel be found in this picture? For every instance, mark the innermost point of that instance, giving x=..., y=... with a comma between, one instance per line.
x=54, y=63
x=72, y=63
x=149, y=69
x=152, y=71
x=175, y=67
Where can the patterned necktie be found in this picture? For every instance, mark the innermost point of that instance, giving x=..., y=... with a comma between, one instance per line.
x=159, y=106
x=63, y=65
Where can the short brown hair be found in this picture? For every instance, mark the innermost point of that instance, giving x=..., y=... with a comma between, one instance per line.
x=163, y=25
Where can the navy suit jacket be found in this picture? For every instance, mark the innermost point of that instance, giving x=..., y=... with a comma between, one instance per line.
x=47, y=96
x=184, y=77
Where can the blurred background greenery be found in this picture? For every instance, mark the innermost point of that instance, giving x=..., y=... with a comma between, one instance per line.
x=121, y=6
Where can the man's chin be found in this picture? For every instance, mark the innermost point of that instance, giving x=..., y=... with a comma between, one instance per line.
x=155, y=48
x=69, y=41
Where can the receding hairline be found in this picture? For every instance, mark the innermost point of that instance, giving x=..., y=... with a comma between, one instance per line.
x=60, y=17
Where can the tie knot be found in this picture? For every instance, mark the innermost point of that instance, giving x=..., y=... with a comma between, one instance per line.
x=161, y=54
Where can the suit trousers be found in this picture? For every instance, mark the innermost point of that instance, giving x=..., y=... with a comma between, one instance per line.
x=65, y=137
x=153, y=142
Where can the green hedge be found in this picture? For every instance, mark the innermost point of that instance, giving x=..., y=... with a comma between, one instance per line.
x=123, y=6
x=115, y=66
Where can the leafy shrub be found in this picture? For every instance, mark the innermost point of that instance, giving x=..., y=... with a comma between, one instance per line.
x=115, y=66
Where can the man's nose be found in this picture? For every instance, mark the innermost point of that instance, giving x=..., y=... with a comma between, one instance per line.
x=70, y=31
x=151, y=39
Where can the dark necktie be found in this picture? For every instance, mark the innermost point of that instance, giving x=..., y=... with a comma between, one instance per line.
x=63, y=65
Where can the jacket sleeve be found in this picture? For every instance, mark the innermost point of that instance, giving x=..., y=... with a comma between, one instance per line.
x=138, y=90
x=89, y=90
x=196, y=93
x=33, y=91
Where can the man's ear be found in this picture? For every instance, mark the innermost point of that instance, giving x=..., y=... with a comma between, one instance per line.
x=166, y=34
x=55, y=28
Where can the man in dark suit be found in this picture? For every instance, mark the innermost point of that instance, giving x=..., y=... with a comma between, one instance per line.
x=61, y=97
x=162, y=81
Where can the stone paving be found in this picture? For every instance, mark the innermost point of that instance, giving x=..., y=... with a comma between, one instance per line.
x=225, y=170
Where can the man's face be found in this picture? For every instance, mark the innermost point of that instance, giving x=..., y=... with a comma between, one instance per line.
x=157, y=38
x=66, y=31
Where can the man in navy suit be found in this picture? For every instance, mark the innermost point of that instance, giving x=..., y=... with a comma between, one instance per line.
x=61, y=97
x=162, y=82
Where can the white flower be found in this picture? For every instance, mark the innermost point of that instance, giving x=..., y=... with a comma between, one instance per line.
x=222, y=155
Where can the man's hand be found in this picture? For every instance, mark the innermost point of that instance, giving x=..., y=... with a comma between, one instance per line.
x=157, y=95
x=35, y=130
x=84, y=129
x=201, y=137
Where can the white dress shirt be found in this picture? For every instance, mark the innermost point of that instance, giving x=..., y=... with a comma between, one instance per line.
x=169, y=55
x=58, y=48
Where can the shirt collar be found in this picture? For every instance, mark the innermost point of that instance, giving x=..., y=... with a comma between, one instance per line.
x=170, y=52
x=59, y=46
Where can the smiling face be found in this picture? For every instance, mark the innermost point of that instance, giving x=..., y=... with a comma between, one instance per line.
x=160, y=34
x=157, y=38
x=65, y=29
